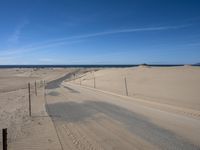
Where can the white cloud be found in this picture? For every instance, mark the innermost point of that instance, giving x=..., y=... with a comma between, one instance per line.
x=5, y=60
x=33, y=48
x=130, y=30
x=14, y=38
x=75, y=39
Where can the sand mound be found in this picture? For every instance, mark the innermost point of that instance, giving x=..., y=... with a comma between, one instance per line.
x=170, y=85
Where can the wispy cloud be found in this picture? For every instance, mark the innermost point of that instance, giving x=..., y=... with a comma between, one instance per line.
x=130, y=30
x=6, y=60
x=78, y=38
x=14, y=38
x=32, y=48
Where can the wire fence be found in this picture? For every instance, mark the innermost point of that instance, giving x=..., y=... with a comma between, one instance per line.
x=14, y=110
x=119, y=85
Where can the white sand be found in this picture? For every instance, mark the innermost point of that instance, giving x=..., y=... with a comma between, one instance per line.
x=178, y=86
x=82, y=129
x=14, y=100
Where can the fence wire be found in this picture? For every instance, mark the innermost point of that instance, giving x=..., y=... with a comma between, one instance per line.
x=14, y=112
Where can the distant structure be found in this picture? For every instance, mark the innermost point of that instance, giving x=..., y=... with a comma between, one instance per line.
x=187, y=65
x=144, y=65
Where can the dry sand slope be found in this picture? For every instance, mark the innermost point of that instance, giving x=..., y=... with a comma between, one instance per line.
x=89, y=119
x=162, y=111
x=14, y=96
x=177, y=86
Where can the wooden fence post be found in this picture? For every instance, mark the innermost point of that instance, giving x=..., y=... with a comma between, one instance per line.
x=4, y=137
x=35, y=88
x=29, y=98
x=126, y=86
x=44, y=90
x=94, y=82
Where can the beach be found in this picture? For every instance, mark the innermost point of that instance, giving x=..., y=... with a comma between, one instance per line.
x=140, y=107
x=176, y=86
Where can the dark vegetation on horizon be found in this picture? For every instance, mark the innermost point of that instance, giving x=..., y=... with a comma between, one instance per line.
x=93, y=66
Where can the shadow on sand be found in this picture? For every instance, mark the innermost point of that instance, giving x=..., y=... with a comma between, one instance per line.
x=135, y=123
x=71, y=90
x=56, y=83
x=54, y=93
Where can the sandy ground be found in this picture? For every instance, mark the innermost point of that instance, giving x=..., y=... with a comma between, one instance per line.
x=14, y=97
x=90, y=119
x=161, y=110
x=15, y=79
x=177, y=86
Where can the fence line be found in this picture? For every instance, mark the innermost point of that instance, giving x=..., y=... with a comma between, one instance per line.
x=9, y=130
x=90, y=78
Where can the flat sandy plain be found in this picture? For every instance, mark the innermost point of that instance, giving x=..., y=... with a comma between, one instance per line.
x=111, y=109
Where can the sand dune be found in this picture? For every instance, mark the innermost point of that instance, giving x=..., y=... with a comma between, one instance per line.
x=14, y=96
x=161, y=111
x=178, y=86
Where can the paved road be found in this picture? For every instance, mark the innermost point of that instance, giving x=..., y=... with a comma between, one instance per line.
x=86, y=119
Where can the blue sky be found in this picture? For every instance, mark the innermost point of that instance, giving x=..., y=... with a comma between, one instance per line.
x=99, y=31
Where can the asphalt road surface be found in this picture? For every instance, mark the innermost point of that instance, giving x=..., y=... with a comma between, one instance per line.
x=87, y=119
